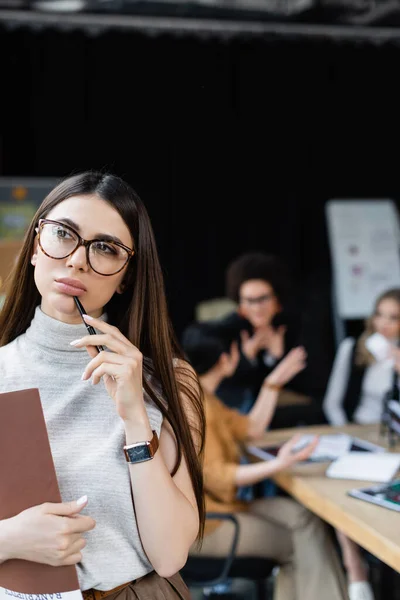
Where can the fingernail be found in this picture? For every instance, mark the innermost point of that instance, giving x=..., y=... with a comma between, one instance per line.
x=81, y=500
x=75, y=343
x=87, y=317
x=84, y=376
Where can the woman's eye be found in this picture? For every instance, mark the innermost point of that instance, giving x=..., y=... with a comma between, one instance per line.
x=61, y=232
x=104, y=248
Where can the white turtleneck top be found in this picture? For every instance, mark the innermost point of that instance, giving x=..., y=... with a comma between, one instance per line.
x=86, y=438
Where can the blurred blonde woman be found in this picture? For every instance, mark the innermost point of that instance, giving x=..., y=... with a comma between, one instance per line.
x=359, y=381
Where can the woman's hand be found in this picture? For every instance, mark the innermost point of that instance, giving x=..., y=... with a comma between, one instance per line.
x=121, y=367
x=261, y=339
x=288, y=456
x=293, y=363
x=264, y=338
x=275, y=341
x=50, y=533
x=251, y=344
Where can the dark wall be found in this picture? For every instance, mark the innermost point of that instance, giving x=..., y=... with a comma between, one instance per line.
x=233, y=145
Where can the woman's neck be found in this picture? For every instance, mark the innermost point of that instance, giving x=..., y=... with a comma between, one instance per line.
x=70, y=317
x=53, y=338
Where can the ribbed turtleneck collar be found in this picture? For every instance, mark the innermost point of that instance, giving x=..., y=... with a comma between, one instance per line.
x=54, y=337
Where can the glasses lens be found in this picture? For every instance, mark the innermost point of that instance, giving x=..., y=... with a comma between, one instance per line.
x=57, y=240
x=107, y=258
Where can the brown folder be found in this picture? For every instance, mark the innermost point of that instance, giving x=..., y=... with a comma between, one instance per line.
x=28, y=478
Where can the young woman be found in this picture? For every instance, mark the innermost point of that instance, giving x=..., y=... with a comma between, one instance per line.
x=358, y=381
x=126, y=523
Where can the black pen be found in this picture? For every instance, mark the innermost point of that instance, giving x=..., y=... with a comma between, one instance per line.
x=90, y=329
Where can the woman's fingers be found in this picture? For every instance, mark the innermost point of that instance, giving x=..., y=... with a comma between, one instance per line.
x=76, y=546
x=114, y=370
x=296, y=358
x=290, y=444
x=113, y=343
x=106, y=328
x=99, y=359
x=306, y=452
x=297, y=352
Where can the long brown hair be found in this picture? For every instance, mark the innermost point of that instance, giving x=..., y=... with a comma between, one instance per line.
x=140, y=313
x=363, y=356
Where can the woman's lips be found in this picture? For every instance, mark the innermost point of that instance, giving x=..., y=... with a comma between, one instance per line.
x=70, y=287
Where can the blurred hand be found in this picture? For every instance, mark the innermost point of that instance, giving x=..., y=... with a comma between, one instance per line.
x=274, y=341
x=287, y=456
x=233, y=360
x=293, y=363
x=252, y=344
x=264, y=338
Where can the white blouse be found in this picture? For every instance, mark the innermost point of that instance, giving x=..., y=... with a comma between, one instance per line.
x=376, y=382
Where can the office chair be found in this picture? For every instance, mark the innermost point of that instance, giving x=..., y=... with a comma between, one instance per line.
x=208, y=571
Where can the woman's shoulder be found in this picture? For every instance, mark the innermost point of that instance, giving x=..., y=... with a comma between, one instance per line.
x=10, y=358
x=347, y=342
x=9, y=350
x=345, y=348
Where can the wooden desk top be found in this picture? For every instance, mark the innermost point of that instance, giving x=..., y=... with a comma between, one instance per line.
x=373, y=527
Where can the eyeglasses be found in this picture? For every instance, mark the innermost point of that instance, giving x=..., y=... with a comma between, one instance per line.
x=257, y=300
x=59, y=241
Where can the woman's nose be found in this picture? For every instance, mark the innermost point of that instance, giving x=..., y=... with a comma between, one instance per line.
x=78, y=259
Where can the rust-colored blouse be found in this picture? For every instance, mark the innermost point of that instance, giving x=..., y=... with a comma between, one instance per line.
x=226, y=428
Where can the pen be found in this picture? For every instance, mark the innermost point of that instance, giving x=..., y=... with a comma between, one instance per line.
x=90, y=329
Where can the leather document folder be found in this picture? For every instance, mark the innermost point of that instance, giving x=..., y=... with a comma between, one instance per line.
x=28, y=478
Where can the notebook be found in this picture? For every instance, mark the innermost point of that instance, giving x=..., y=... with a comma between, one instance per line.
x=380, y=467
x=386, y=495
x=28, y=478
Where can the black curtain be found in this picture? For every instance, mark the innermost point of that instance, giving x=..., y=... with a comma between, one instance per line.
x=233, y=145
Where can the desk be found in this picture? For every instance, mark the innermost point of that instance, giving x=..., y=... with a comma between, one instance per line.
x=373, y=527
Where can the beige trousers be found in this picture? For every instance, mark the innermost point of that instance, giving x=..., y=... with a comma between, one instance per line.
x=281, y=529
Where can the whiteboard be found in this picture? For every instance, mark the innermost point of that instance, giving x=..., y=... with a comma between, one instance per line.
x=364, y=238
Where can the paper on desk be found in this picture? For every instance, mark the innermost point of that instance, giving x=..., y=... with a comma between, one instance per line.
x=379, y=467
x=330, y=446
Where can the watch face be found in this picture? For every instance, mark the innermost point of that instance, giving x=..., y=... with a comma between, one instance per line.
x=139, y=453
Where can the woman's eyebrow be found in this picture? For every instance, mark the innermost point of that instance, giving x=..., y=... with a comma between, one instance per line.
x=99, y=236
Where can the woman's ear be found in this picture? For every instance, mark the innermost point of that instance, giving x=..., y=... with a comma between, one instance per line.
x=125, y=283
x=34, y=253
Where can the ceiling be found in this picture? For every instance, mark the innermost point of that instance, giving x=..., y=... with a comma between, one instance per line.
x=368, y=20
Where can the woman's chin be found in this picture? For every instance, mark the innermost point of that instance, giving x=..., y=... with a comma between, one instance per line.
x=259, y=323
x=61, y=307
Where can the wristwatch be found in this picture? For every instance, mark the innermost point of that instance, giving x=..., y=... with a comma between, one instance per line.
x=141, y=451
